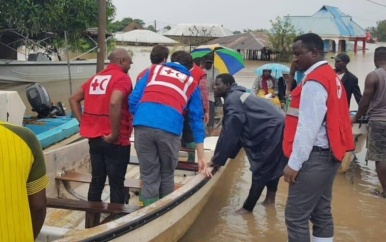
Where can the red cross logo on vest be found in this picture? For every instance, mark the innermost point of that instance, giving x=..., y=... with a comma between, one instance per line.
x=99, y=84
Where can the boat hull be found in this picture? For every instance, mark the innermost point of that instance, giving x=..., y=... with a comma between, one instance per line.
x=50, y=131
x=165, y=220
x=14, y=71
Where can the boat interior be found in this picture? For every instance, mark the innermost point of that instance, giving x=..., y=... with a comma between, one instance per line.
x=68, y=169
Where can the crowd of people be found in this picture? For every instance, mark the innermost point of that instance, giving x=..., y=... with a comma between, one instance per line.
x=172, y=104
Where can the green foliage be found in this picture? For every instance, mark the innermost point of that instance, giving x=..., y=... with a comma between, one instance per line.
x=151, y=28
x=379, y=31
x=236, y=32
x=33, y=17
x=168, y=27
x=121, y=24
x=281, y=37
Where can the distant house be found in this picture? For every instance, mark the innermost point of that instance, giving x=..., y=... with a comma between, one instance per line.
x=142, y=37
x=335, y=27
x=196, y=34
x=248, y=44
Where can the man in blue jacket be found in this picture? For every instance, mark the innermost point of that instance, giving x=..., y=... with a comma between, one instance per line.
x=157, y=104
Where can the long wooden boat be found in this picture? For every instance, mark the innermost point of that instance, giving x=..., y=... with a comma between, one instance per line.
x=165, y=220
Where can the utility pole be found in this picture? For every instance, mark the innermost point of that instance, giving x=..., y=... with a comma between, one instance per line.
x=155, y=25
x=101, y=35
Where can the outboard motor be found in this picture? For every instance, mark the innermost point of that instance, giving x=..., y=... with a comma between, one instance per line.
x=41, y=103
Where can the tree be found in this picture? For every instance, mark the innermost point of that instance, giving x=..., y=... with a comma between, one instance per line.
x=281, y=36
x=168, y=27
x=122, y=24
x=379, y=31
x=237, y=32
x=33, y=17
x=151, y=28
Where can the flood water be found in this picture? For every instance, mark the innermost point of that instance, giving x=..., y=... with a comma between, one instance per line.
x=359, y=216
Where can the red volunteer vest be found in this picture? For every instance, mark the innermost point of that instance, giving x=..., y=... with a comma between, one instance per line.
x=96, y=115
x=197, y=73
x=337, y=117
x=169, y=87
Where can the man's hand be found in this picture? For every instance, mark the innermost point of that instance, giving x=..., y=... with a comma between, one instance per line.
x=289, y=174
x=206, y=118
x=203, y=168
x=111, y=139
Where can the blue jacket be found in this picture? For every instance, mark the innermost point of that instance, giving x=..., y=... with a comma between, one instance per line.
x=159, y=116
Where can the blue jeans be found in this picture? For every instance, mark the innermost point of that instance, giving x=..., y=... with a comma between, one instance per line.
x=108, y=160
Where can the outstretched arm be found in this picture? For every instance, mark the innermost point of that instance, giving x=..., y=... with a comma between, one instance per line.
x=371, y=83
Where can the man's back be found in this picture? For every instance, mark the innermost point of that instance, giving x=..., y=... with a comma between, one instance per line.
x=22, y=173
x=377, y=109
x=264, y=121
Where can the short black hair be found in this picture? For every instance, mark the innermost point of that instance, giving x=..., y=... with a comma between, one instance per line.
x=311, y=41
x=226, y=78
x=158, y=54
x=198, y=61
x=380, y=53
x=182, y=57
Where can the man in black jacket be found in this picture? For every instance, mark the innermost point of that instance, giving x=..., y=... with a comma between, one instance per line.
x=256, y=125
x=349, y=80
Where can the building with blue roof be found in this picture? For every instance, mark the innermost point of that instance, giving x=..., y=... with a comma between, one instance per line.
x=336, y=28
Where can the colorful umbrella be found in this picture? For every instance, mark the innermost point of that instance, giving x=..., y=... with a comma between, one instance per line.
x=225, y=60
x=276, y=69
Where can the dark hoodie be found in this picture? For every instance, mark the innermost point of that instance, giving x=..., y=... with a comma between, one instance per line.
x=256, y=125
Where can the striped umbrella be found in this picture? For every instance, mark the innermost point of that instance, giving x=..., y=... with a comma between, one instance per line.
x=225, y=60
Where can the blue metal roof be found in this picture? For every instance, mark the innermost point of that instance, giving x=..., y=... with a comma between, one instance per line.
x=328, y=22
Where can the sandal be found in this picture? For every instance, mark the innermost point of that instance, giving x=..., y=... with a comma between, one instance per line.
x=378, y=194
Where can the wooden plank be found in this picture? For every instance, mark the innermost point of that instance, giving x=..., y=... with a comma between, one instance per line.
x=182, y=165
x=88, y=206
x=86, y=178
x=71, y=176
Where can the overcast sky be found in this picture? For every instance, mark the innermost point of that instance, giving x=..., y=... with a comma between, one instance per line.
x=242, y=14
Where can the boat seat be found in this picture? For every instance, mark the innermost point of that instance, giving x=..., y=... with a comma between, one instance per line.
x=92, y=209
x=71, y=176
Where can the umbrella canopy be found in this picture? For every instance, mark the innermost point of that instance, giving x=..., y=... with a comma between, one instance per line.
x=225, y=60
x=276, y=69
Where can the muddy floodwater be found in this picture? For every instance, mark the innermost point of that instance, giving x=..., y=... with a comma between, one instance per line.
x=359, y=216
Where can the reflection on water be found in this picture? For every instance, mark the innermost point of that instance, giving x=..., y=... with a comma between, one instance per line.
x=358, y=215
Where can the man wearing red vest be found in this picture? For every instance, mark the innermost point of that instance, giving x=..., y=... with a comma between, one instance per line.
x=157, y=103
x=159, y=54
x=107, y=123
x=316, y=137
x=187, y=138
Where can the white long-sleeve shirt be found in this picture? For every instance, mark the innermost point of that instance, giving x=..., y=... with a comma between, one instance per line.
x=311, y=130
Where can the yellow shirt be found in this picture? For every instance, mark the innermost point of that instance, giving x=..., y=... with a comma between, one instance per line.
x=22, y=173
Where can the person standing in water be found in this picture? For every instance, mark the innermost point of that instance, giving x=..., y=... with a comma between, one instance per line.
x=317, y=135
x=257, y=126
x=374, y=103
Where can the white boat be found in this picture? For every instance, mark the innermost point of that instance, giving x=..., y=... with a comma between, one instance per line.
x=165, y=220
x=17, y=71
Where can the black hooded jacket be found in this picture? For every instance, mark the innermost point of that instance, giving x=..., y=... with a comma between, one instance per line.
x=256, y=125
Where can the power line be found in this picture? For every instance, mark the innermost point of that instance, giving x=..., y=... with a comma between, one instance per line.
x=380, y=4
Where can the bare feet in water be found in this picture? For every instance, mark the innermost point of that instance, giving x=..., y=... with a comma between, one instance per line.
x=242, y=211
x=270, y=198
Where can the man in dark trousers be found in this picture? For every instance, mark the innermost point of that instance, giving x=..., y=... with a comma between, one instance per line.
x=349, y=80
x=317, y=135
x=256, y=125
